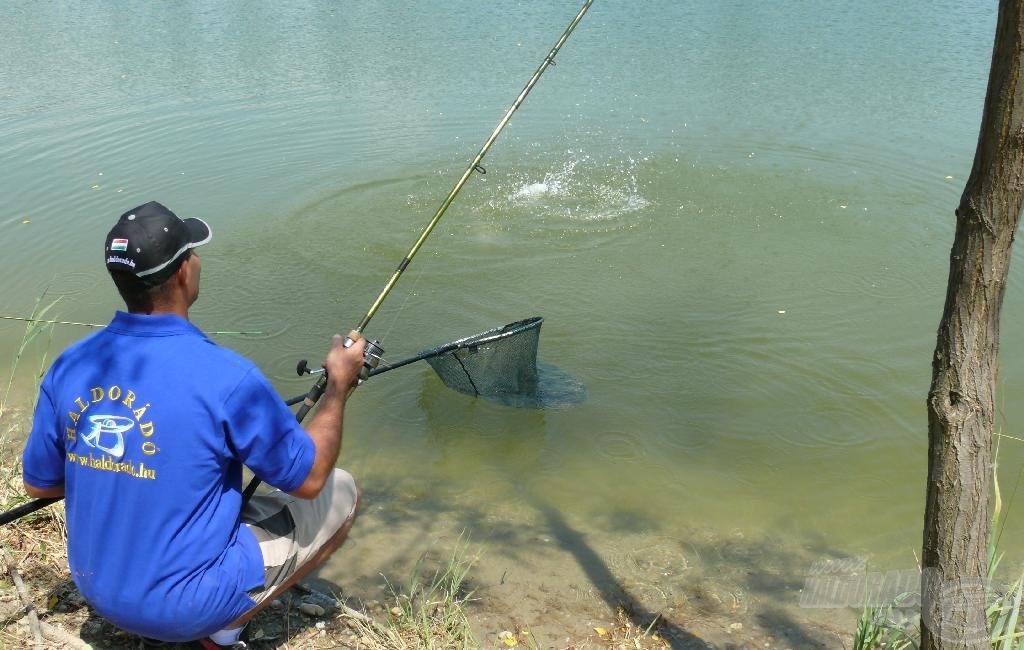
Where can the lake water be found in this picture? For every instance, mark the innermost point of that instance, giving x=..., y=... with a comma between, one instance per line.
x=735, y=219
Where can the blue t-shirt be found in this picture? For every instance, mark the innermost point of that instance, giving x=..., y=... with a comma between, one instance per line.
x=147, y=424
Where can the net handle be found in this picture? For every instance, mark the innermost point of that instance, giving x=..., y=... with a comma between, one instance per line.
x=487, y=336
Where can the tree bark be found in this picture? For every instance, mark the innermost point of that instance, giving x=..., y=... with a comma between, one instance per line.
x=961, y=400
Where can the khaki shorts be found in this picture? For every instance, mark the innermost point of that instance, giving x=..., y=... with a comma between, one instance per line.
x=290, y=530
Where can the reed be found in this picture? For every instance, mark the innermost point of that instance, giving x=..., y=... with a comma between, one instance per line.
x=33, y=329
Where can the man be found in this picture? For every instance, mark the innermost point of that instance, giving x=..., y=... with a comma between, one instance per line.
x=144, y=427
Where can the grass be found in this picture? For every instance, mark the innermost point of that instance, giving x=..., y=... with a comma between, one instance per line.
x=430, y=613
x=1004, y=610
x=33, y=329
x=880, y=628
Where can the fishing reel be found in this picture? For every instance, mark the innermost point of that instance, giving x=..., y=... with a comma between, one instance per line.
x=372, y=355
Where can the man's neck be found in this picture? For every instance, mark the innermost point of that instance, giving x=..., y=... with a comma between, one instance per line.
x=165, y=310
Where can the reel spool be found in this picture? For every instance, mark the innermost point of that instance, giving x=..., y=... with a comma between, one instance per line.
x=371, y=359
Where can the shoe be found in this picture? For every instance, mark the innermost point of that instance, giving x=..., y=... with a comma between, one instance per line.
x=210, y=645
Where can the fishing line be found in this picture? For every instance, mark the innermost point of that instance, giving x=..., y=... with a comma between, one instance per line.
x=401, y=308
x=98, y=325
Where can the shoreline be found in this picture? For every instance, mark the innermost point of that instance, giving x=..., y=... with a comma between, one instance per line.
x=563, y=594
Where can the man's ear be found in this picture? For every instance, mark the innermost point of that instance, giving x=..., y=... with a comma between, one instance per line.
x=181, y=276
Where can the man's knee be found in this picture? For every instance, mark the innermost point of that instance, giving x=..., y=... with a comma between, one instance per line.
x=338, y=508
x=352, y=498
x=345, y=493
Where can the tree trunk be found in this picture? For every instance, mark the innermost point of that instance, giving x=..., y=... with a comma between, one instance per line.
x=964, y=369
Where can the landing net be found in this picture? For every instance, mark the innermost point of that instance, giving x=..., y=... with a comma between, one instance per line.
x=498, y=364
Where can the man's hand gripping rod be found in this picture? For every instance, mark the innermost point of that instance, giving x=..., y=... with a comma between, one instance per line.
x=371, y=358
x=372, y=355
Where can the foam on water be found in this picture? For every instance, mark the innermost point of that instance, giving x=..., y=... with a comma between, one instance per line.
x=576, y=193
x=534, y=190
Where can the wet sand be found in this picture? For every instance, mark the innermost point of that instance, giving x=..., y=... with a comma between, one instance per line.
x=543, y=573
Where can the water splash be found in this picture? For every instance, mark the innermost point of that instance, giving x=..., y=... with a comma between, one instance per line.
x=579, y=191
x=555, y=184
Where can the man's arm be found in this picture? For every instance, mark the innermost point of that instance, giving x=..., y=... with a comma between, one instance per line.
x=342, y=366
x=42, y=459
x=44, y=493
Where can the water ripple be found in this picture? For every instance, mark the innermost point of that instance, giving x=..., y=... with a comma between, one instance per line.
x=620, y=446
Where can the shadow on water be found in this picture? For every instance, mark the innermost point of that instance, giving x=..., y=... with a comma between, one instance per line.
x=692, y=583
x=732, y=591
x=789, y=631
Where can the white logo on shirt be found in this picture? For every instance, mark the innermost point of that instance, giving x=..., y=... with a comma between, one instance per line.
x=107, y=429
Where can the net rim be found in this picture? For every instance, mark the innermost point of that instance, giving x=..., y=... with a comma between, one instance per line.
x=498, y=333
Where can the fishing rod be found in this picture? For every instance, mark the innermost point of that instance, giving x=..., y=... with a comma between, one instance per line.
x=25, y=508
x=474, y=166
x=374, y=352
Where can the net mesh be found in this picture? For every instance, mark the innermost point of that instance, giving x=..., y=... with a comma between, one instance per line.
x=496, y=364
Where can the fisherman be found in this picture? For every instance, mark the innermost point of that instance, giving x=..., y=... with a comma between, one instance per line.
x=144, y=427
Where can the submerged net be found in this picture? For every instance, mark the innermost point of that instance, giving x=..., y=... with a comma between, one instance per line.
x=499, y=364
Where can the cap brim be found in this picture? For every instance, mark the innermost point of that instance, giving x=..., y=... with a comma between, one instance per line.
x=199, y=232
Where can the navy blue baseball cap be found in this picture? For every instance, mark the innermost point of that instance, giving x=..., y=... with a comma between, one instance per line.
x=150, y=242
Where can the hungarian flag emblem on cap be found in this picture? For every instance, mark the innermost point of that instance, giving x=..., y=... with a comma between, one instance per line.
x=119, y=245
